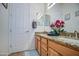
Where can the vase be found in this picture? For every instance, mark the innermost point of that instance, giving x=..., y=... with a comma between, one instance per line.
x=53, y=33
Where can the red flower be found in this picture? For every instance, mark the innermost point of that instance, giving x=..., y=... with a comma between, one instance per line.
x=57, y=21
x=58, y=24
x=52, y=25
x=62, y=22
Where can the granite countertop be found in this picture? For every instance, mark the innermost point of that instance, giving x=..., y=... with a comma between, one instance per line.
x=63, y=40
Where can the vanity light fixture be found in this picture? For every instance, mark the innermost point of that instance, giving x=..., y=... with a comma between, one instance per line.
x=50, y=5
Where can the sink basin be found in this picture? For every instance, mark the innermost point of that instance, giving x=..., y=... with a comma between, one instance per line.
x=68, y=40
x=63, y=38
x=71, y=41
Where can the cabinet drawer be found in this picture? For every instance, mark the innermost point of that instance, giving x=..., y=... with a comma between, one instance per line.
x=51, y=52
x=37, y=37
x=44, y=40
x=62, y=49
x=43, y=52
x=44, y=46
x=38, y=47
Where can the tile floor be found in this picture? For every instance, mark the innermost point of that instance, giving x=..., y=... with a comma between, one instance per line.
x=25, y=53
x=31, y=53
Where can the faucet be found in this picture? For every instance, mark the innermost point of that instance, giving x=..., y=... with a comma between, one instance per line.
x=76, y=35
x=70, y=35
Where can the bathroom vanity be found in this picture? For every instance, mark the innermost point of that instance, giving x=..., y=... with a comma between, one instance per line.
x=56, y=45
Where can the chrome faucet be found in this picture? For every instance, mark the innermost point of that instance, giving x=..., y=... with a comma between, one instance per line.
x=76, y=35
x=70, y=35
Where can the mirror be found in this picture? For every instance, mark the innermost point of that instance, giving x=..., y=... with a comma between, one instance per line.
x=47, y=20
x=44, y=21
x=59, y=11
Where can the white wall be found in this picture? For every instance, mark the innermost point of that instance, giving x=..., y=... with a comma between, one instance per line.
x=3, y=30
x=37, y=8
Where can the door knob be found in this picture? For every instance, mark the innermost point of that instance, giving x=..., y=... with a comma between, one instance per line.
x=10, y=30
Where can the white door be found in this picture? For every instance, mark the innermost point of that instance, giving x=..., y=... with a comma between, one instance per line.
x=20, y=27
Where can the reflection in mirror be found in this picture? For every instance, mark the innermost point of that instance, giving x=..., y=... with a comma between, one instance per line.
x=66, y=11
x=40, y=21
x=44, y=21
x=50, y=5
x=47, y=20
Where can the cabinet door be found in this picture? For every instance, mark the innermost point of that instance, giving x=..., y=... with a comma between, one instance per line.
x=43, y=52
x=63, y=50
x=38, y=37
x=44, y=44
x=38, y=46
x=43, y=40
x=43, y=47
x=51, y=52
x=36, y=43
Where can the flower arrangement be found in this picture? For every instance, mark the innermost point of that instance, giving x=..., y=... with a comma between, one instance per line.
x=58, y=26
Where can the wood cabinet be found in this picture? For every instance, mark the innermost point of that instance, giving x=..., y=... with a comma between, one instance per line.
x=44, y=47
x=63, y=50
x=52, y=52
x=37, y=44
x=43, y=52
x=48, y=47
